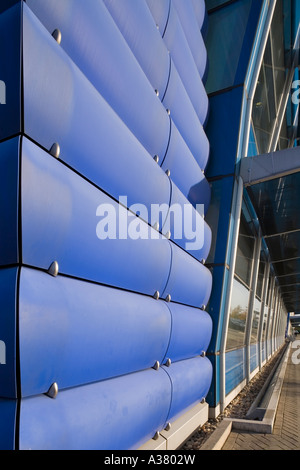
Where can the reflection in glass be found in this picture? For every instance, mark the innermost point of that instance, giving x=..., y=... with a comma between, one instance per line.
x=265, y=321
x=255, y=321
x=243, y=267
x=238, y=315
x=224, y=42
x=270, y=86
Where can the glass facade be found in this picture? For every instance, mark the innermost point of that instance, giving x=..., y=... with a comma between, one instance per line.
x=271, y=86
x=226, y=46
x=238, y=315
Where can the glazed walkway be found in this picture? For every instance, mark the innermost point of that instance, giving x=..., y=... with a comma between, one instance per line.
x=286, y=432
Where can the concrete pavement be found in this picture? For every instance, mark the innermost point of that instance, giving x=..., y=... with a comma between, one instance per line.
x=286, y=430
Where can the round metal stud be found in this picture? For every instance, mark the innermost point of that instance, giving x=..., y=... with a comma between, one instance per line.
x=168, y=298
x=53, y=391
x=168, y=235
x=57, y=35
x=168, y=112
x=168, y=173
x=54, y=268
x=55, y=150
x=156, y=436
x=156, y=365
x=156, y=295
x=168, y=427
x=156, y=226
x=203, y=354
x=156, y=158
x=202, y=401
x=168, y=362
x=157, y=92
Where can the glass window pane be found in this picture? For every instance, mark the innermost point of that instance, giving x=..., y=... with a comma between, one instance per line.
x=238, y=315
x=243, y=267
x=260, y=278
x=255, y=322
x=227, y=27
x=265, y=323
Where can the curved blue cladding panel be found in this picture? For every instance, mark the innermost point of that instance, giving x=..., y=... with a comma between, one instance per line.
x=120, y=79
x=160, y=11
x=138, y=27
x=190, y=282
x=116, y=414
x=120, y=166
x=190, y=26
x=182, y=56
x=74, y=332
x=184, y=116
x=190, y=380
x=191, y=332
x=187, y=226
x=185, y=171
x=60, y=222
x=200, y=12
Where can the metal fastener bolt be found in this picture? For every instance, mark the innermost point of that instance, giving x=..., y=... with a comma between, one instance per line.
x=57, y=35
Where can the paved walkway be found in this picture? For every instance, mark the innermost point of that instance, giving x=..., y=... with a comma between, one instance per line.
x=286, y=433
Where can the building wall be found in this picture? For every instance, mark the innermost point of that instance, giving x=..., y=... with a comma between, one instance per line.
x=104, y=302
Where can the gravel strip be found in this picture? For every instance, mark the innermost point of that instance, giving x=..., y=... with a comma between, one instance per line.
x=238, y=408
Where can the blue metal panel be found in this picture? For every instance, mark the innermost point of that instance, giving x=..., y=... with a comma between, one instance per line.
x=191, y=332
x=10, y=66
x=184, y=115
x=213, y=395
x=190, y=26
x=7, y=424
x=185, y=170
x=235, y=368
x=188, y=227
x=138, y=27
x=74, y=332
x=191, y=380
x=119, y=79
x=8, y=367
x=121, y=167
x=160, y=11
x=223, y=130
x=60, y=222
x=177, y=44
x=217, y=217
x=9, y=171
x=120, y=413
x=189, y=282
